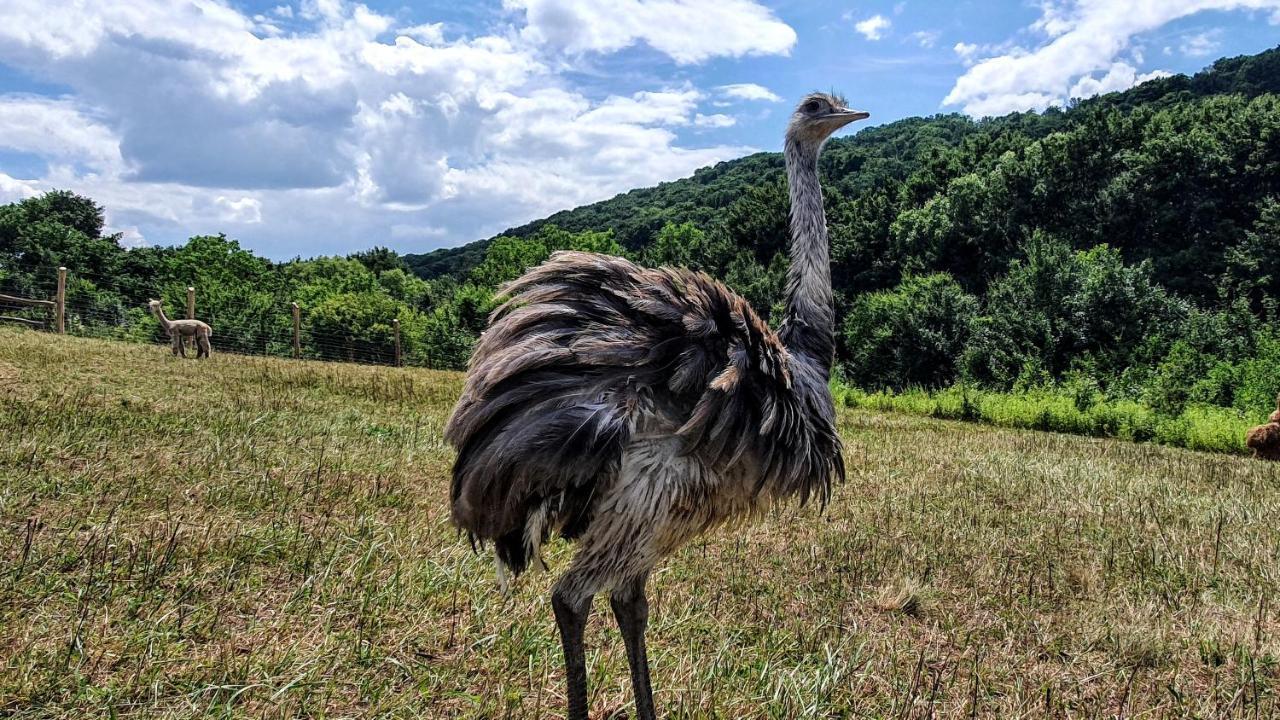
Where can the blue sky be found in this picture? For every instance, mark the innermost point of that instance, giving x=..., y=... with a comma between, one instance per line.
x=306, y=127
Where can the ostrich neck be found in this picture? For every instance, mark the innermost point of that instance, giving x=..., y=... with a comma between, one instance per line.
x=810, y=319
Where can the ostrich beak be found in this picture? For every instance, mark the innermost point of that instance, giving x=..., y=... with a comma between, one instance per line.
x=847, y=116
x=837, y=119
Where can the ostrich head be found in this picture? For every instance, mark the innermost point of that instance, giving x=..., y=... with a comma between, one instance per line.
x=819, y=115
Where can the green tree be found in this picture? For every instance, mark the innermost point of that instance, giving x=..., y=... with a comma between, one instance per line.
x=912, y=335
x=1059, y=309
x=355, y=326
x=406, y=288
x=507, y=259
x=1253, y=264
x=379, y=260
x=685, y=245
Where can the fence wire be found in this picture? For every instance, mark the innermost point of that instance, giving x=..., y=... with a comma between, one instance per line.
x=85, y=318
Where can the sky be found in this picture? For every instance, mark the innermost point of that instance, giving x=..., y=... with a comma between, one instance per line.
x=311, y=127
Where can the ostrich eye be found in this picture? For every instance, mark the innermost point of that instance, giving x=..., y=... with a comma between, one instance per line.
x=812, y=106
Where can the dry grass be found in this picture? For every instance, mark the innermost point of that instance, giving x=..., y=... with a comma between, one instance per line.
x=265, y=538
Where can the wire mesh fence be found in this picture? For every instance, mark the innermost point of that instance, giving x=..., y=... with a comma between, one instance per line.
x=19, y=306
x=272, y=334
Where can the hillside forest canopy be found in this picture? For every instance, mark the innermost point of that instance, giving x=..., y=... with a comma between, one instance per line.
x=1126, y=247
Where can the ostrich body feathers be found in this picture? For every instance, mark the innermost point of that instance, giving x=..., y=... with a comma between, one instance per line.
x=601, y=384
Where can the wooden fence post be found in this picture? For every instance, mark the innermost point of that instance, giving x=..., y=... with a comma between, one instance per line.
x=191, y=312
x=395, y=323
x=60, y=308
x=297, y=330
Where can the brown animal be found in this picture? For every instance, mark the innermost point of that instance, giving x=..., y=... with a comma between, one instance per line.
x=1264, y=440
x=179, y=330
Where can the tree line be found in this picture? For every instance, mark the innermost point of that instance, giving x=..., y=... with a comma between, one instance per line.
x=348, y=303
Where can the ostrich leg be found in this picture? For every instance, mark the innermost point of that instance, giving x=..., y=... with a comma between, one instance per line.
x=571, y=618
x=631, y=608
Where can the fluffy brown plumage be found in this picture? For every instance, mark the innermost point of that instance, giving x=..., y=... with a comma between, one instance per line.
x=587, y=343
x=1264, y=440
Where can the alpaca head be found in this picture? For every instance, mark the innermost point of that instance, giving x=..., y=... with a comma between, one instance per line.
x=819, y=115
x=153, y=305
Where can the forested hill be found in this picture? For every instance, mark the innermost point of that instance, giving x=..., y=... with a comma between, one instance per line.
x=857, y=168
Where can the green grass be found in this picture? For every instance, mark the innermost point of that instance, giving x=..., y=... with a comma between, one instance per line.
x=1199, y=427
x=250, y=537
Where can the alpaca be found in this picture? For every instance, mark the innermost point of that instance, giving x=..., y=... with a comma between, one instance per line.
x=178, y=330
x=1264, y=440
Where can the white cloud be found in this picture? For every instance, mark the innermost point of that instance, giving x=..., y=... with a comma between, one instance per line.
x=347, y=129
x=688, y=31
x=558, y=150
x=263, y=24
x=426, y=33
x=873, y=28
x=926, y=38
x=645, y=108
x=57, y=130
x=1201, y=44
x=245, y=210
x=1121, y=76
x=716, y=120
x=965, y=50
x=402, y=230
x=994, y=106
x=13, y=189
x=130, y=237
x=1083, y=37
x=1055, y=18
x=748, y=91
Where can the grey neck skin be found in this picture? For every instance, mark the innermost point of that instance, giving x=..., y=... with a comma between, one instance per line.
x=810, y=321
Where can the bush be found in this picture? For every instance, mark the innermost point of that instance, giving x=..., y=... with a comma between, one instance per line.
x=1060, y=310
x=1060, y=409
x=1258, y=379
x=355, y=327
x=909, y=336
x=1202, y=427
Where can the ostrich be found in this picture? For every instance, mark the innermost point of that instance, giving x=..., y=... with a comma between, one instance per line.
x=178, y=330
x=633, y=409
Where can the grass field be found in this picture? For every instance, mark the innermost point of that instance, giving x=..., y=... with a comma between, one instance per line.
x=266, y=538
